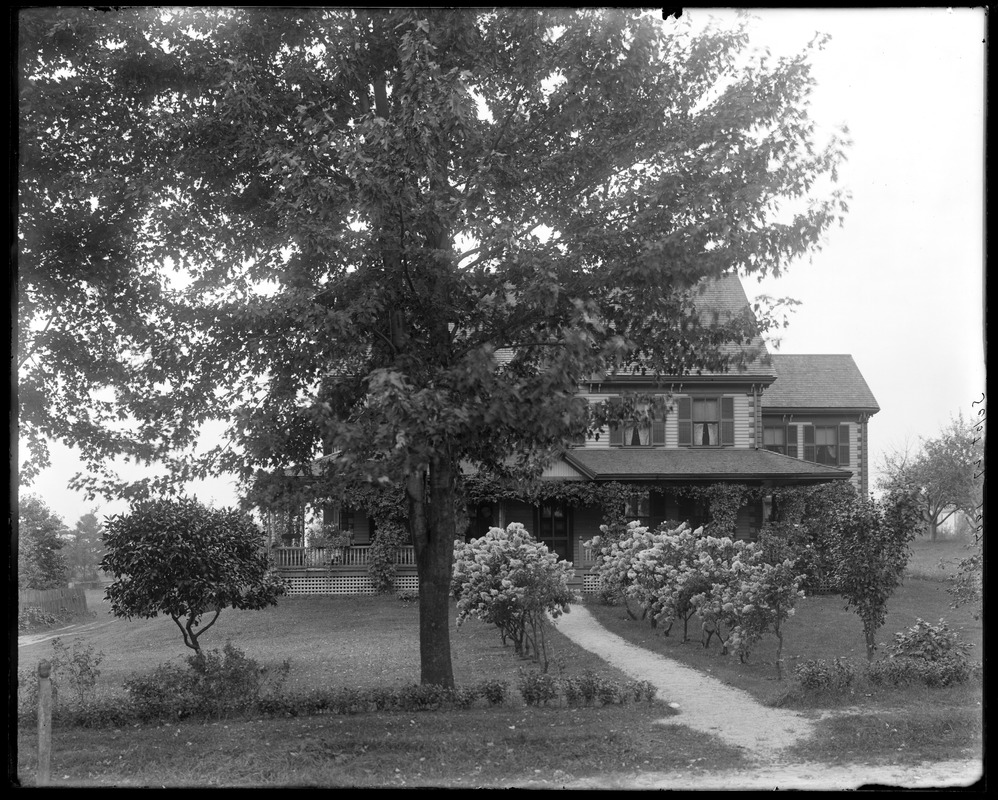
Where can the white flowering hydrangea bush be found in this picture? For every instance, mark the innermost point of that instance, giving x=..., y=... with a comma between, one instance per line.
x=508, y=579
x=619, y=566
x=678, y=574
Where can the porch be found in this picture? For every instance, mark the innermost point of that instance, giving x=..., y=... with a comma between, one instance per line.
x=344, y=570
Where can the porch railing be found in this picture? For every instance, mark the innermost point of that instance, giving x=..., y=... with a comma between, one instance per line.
x=325, y=557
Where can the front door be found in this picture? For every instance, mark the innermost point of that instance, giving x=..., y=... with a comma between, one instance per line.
x=554, y=528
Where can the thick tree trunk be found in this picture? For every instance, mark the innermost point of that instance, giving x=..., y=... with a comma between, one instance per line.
x=433, y=539
x=436, y=568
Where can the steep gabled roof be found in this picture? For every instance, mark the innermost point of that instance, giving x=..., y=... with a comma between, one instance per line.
x=815, y=382
x=686, y=464
x=718, y=301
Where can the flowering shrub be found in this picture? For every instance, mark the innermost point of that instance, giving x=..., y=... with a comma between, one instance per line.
x=676, y=574
x=652, y=569
x=508, y=579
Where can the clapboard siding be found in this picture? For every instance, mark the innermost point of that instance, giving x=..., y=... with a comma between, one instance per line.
x=744, y=422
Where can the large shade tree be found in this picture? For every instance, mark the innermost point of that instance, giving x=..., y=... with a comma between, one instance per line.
x=321, y=226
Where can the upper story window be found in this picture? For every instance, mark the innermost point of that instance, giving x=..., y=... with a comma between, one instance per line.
x=775, y=439
x=780, y=439
x=639, y=432
x=827, y=444
x=706, y=421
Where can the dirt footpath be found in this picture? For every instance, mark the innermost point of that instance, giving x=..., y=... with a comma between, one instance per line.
x=738, y=719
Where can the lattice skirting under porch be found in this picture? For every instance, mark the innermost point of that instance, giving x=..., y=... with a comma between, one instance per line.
x=344, y=584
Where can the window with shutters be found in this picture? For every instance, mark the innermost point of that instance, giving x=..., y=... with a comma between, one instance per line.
x=706, y=421
x=640, y=432
x=775, y=439
x=827, y=444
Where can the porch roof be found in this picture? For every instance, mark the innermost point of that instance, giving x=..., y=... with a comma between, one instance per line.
x=688, y=464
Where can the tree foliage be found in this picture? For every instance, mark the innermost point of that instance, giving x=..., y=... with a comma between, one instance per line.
x=871, y=544
x=321, y=226
x=945, y=470
x=41, y=563
x=179, y=558
x=84, y=547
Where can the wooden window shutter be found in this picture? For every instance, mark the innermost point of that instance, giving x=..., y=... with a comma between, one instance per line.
x=616, y=435
x=658, y=428
x=685, y=406
x=727, y=420
x=809, y=442
x=844, y=445
x=792, y=441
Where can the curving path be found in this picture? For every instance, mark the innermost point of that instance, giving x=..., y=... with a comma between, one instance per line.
x=737, y=718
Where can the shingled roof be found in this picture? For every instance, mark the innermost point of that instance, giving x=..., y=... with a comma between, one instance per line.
x=717, y=301
x=686, y=464
x=818, y=382
x=720, y=300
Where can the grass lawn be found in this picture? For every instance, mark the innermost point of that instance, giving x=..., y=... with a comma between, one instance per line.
x=370, y=641
x=907, y=724
x=329, y=641
x=357, y=642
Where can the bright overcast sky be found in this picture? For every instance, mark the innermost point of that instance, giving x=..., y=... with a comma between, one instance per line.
x=900, y=286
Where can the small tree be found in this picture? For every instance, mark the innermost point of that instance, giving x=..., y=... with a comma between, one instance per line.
x=179, y=558
x=871, y=546
x=40, y=564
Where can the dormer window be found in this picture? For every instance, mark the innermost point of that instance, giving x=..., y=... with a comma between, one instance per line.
x=706, y=421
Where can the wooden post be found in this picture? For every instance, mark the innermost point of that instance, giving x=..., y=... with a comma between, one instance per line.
x=44, y=722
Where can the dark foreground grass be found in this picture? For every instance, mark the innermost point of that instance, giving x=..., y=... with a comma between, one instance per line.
x=540, y=747
x=906, y=726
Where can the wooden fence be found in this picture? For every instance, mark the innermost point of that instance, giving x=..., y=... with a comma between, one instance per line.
x=54, y=601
